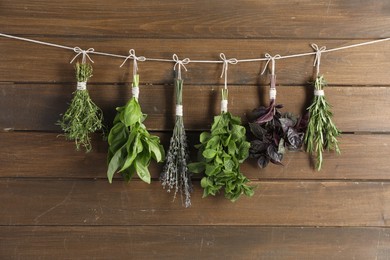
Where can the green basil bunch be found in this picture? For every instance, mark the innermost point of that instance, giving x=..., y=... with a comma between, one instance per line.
x=131, y=146
x=221, y=152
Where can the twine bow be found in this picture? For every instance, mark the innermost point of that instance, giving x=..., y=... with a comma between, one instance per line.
x=179, y=64
x=272, y=60
x=317, y=60
x=226, y=63
x=79, y=51
x=135, y=59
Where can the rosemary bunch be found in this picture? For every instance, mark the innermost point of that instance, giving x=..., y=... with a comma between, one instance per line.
x=83, y=116
x=175, y=175
x=321, y=132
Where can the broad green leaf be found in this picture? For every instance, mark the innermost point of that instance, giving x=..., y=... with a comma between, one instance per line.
x=229, y=165
x=209, y=153
x=204, y=137
x=129, y=173
x=205, y=182
x=132, y=113
x=114, y=164
x=238, y=131
x=142, y=171
x=232, y=147
x=197, y=167
x=235, y=120
x=156, y=150
x=131, y=152
x=212, y=169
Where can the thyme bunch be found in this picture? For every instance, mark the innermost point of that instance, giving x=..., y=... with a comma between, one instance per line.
x=175, y=175
x=321, y=132
x=83, y=116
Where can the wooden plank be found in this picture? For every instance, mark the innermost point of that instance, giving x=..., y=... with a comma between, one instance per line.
x=199, y=19
x=139, y=242
x=28, y=62
x=282, y=203
x=37, y=107
x=48, y=156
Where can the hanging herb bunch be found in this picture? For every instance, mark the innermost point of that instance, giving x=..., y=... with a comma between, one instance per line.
x=220, y=154
x=131, y=146
x=83, y=116
x=222, y=150
x=175, y=175
x=321, y=132
x=273, y=131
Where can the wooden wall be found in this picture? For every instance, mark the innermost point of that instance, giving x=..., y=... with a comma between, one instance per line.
x=56, y=203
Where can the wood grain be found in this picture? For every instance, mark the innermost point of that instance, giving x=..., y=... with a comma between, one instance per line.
x=57, y=204
x=27, y=62
x=45, y=155
x=199, y=19
x=282, y=203
x=38, y=107
x=204, y=242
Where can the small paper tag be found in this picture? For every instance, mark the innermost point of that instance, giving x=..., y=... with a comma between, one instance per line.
x=319, y=92
x=135, y=92
x=179, y=110
x=81, y=85
x=224, y=105
x=272, y=93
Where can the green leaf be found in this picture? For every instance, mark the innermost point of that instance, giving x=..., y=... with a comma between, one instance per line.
x=132, y=113
x=209, y=153
x=238, y=131
x=212, y=169
x=196, y=167
x=131, y=151
x=114, y=164
x=204, y=137
x=142, y=170
x=205, y=182
x=156, y=150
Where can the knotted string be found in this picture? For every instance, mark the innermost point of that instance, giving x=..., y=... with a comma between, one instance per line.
x=135, y=59
x=317, y=59
x=79, y=51
x=179, y=64
x=272, y=60
x=226, y=63
x=272, y=91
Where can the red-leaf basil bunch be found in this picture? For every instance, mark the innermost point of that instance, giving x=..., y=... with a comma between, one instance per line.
x=273, y=132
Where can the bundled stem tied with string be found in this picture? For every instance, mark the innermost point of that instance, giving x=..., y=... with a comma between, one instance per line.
x=83, y=116
x=222, y=150
x=131, y=146
x=321, y=132
x=175, y=175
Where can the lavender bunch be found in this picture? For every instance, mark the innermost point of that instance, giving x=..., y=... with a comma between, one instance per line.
x=175, y=176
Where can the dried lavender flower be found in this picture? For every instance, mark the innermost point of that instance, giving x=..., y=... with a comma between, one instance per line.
x=175, y=175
